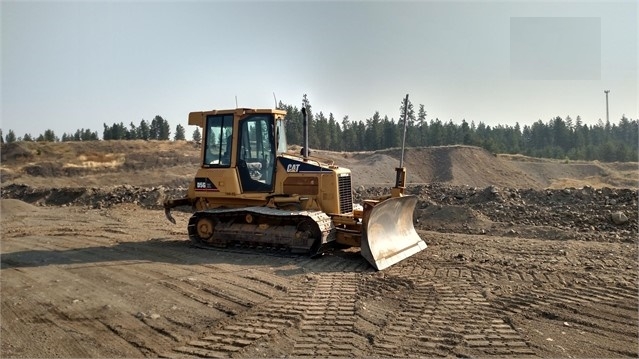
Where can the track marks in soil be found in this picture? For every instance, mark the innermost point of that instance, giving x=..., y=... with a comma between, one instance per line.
x=54, y=318
x=359, y=314
x=234, y=334
x=138, y=333
x=605, y=314
x=438, y=318
x=328, y=319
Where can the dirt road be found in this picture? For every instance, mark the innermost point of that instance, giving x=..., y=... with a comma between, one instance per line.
x=123, y=282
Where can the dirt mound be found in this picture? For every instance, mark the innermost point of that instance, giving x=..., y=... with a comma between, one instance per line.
x=477, y=167
x=444, y=164
x=552, y=173
x=450, y=218
x=10, y=208
x=454, y=165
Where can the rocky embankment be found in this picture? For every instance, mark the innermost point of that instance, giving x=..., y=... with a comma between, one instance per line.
x=586, y=214
x=94, y=197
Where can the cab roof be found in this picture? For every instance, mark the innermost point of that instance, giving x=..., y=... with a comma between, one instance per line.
x=197, y=118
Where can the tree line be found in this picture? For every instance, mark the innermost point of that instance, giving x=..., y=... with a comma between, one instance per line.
x=561, y=138
x=157, y=129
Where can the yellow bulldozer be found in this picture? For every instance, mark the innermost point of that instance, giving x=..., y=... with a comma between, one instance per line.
x=250, y=190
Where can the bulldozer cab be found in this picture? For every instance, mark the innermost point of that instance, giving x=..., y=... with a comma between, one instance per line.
x=247, y=140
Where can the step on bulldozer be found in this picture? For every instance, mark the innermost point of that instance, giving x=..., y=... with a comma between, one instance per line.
x=250, y=190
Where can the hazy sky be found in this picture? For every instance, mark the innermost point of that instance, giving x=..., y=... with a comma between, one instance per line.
x=68, y=65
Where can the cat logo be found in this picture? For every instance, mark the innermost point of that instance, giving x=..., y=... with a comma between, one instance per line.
x=293, y=168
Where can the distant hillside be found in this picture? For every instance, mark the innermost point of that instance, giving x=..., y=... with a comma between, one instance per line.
x=173, y=163
x=99, y=163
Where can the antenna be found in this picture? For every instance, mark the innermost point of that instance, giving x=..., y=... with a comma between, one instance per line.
x=401, y=161
x=235, y=101
x=275, y=99
x=305, y=151
x=400, y=172
x=607, y=117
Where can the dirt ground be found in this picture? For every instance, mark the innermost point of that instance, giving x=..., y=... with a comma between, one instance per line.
x=118, y=280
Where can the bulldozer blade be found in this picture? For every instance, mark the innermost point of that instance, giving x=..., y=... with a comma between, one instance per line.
x=390, y=236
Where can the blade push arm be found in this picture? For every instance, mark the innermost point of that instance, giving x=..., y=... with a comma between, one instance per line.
x=172, y=203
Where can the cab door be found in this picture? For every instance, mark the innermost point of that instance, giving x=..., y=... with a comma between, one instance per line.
x=256, y=153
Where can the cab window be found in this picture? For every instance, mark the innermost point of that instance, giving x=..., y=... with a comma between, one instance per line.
x=282, y=146
x=219, y=135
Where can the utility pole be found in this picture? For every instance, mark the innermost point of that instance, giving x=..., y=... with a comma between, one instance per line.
x=607, y=117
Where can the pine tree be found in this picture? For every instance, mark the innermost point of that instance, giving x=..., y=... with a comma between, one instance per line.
x=348, y=135
x=335, y=133
x=390, y=132
x=465, y=134
x=374, y=132
x=411, y=135
x=422, y=125
x=179, y=133
x=197, y=136
x=87, y=135
x=133, y=132
x=11, y=137
x=311, y=121
x=165, y=130
x=154, y=128
x=321, y=135
x=106, y=133
x=50, y=136
x=144, y=132
x=294, y=125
